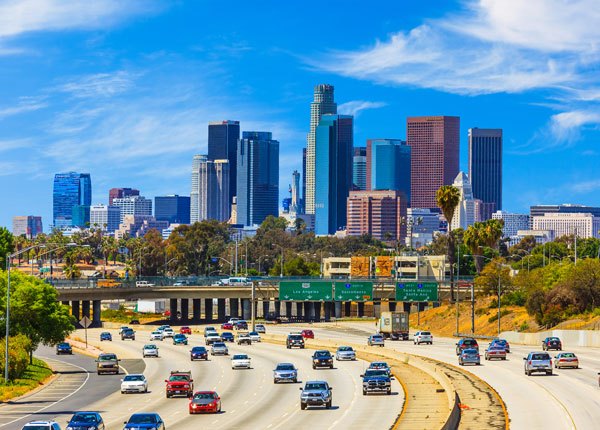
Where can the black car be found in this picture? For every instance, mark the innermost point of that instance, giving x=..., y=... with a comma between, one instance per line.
x=241, y=325
x=133, y=322
x=552, y=343
x=198, y=353
x=128, y=333
x=294, y=340
x=466, y=343
x=86, y=421
x=63, y=348
x=322, y=358
x=227, y=336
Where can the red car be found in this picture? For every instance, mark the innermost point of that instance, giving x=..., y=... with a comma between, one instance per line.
x=308, y=334
x=185, y=330
x=205, y=401
x=227, y=326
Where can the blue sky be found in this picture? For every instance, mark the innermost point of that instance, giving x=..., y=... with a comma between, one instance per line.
x=124, y=90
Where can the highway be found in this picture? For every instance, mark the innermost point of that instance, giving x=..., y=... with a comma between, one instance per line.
x=249, y=397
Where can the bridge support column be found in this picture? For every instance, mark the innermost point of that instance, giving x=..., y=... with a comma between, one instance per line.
x=246, y=309
x=97, y=313
x=406, y=306
x=85, y=308
x=392, y=305
x=317, y=311
x=234, y=308
x=328, y=306
x=196, y=309
x=221, y=310
x=75, y=310
x=277, y=308
x=173, y=309
x=266, y=306
x=288, y=309
x=307, y=311
x=65, y=302
x=299, y=306
x=338, y=309
x=361, y=309
x=208, y=310
x=185, y=310
x=376, y=309
x=347, y=309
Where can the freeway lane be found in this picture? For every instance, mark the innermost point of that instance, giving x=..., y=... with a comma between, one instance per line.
x=249, y=397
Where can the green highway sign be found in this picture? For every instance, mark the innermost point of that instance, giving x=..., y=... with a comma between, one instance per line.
x=354, y=291
x=417, y=292
x=301, y=291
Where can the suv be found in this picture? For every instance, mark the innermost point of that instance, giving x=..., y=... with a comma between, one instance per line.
x=466, y=343
x=552, y=343
x=538, y=362
x=315, y=393
x=41, y=425
x=212, y=337
x=376, y=340
x=322, y=358
x=244, y=339
x=294, y=340
x=107, y=363
x=180, y=383
x=423, y=337
x=63, y=348
x=128, y=334
x=285, y=372
x=376, y=381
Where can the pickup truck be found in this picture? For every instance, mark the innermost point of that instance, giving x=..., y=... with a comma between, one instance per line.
x=180, y=384
x=376, y=381
x=315, y=393
x=143, y=284
x=537, y=362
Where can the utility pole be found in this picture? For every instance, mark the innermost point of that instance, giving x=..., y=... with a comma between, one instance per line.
x=253, y=310
x=236, y=256
x=499, y=275
x=576, y=246
x=457, y=288
x=473, y=309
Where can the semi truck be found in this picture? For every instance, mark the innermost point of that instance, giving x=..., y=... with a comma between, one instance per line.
x=393, y=325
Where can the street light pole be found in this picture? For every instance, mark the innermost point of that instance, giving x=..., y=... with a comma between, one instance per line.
x=499, y=277
x=457, y=288
x=8, y=264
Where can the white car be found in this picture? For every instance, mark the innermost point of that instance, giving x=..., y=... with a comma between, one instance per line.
x=150, y=350
x=260, y=328
x=134, y=383
x=254, y=336
x=219, y=348
x=423, y=337
x=124, y=327
x=240, y=361
x=42, y=425
x=168, y=332
x=212, y=337
x=156, y=335
x=233, y=320
x=345, y=353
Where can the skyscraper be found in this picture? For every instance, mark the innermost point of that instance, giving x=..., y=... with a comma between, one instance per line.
x=258, y=177
x=223, y=137
x=134, y=205
x=359, y=168
x=388, y=165
x=174, y=208
x=29, y=226
x=377, y=213
x=210, y=189
x=295, y=187
x=464, y=214
x=333, y=179
x=105, y=217
x=485, y=168
x=322, y=104
x=117, y=193
x=303, y=207
x=435, y=146
x=80, y=216
x=70, y=189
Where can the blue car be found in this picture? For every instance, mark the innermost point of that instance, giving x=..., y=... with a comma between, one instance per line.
x=198, y=353
x=105, y=336
x=63, y=348
x=145, y=420
x=469, y=356
x=86, y=421
x=180, y=339
x=227, y=336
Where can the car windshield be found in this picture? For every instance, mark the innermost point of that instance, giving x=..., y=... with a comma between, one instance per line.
x=378, y=365
x=107, y=357
x=37, y=427
x=345, y=348
x=253, y=333
x=178, y=378
x=134, y=378
x=322, y=354
x=198, y=349
x=155, y=332
x=425, y=333
x=315, y=386
x=219, y=345
x=469, y=342
x=376, y=373
x=295, y=337
x=179, y=336
x=150, y=347
x=497, y=348
x=105, y=333
x=240, y=357
x=204, y=396
x=260, y=326
x=63, y=345
x=212, y=334
x=285, y=367
x=377, y=336
x=540, y=357
x=85, y=418
x=142, y=419
x=567, y=355
x=470, y=352
x=551, y=339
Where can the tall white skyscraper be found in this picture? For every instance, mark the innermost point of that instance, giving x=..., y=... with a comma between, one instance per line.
x=295, y=206
x=210, y=189
x=322, y=104
x=464, y=215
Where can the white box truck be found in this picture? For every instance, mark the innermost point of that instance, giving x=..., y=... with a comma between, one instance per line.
x=151, y=306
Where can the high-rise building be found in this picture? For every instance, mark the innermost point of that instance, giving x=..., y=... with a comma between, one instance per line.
x=210, y=197
x=70, y=189
x=119, y=193
x=485, y=168
x=295, y=188
x=105, y=217
x=29, y=226
x=134, y=205
x=80, y=216
x=377, y=213
x=223, y=137
x=333, y=179
x=540, y=210
x=173, y=208
x=512, y=222
x=303, y=209
x=323, y=103
x=582, y=224
x=464, y=214
x=257, y=177
x=388, y=165
x=359, y=168
x=435, y=146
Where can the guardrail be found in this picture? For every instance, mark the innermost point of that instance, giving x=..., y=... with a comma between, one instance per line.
x=475, y=336
x=454, y=418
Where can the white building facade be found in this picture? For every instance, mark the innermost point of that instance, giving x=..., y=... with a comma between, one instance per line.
x=105, y=217
x=464, y=215
x=133, y=205
x=584, y=225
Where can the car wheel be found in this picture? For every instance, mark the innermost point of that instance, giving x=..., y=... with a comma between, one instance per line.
x=364, y=392
x=302, y=406
x=328, y=405
x=549, y=373
x=295, y=380
x=331, y=367
x=122, y=392
x=274, y=381
x=314, y=367
x=389, y=392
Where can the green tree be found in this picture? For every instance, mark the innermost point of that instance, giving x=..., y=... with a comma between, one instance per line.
x=447, y=199
x=7, y=245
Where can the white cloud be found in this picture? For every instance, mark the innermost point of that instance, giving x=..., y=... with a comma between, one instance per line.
x=565, y=126
x=25, y=104
x=100, y=84
x=12, y=144
x=354, y=107
x=585, y=187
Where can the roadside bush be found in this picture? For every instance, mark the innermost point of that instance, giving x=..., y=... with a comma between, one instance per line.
x=494, y=317
x=514, y=298
x=18, y=355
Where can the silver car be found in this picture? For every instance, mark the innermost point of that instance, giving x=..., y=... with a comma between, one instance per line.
x=150, y=350
x=537, y=362
x=260, y=328
x=376, y=340
x=219, y=348
x=134, y=383
x=345, y=353
x=285, y=372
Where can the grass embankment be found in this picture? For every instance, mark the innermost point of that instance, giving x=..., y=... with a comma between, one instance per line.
x=124, y=316
x=35, y=375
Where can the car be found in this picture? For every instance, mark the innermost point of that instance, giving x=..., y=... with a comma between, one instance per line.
x=240, y=361
x=123, y=327
x=254, y=336
x=294, y=340
x=181, y=283
x=495, y=351
x=227, y=337
x=503, y=343
x=244, y=339
x=227, y=326
x=260, y=328
x=150, y=350
x=469, y=356
x=157, y=335
x=41, y=425
x=376, y=340
x=185, y=330
x=107, y=363
x=345, y=353
x=143, y=421
x=134, y=383
x=209, y=329
x=180, y=339
x=285, y=372
x=322, y=358
x=219, y=348
x=168, y=332
x=205, y=401
x=105, y=336
x=376, y=381
x=128, y=334
x=380, y=365
x=63, y=348
x=198, y=353
x=307, y=334
x=423, y=337
x=134, y=322
x=315, y=393
x=86, y=421
x=241, y=325
x=466, y=343
x=212, y=337
x=551, y=343
x=566, y=359
x=179, y=383
x=537, y=362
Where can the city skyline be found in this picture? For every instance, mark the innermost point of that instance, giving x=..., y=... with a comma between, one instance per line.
x=119, y=94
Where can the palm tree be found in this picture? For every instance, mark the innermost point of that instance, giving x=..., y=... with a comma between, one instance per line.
x=473, y=239
x=447, y=199
x=71, y=271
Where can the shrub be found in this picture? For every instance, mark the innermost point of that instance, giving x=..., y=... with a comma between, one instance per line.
x=494, y=317
x=18, y=357
x=524, y=326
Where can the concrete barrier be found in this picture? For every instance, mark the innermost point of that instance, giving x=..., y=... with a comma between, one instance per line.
x=586, y=338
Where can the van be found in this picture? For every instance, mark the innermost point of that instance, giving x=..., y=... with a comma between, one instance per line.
x=237, y=281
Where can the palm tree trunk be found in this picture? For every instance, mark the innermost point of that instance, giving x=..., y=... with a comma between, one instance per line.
x=451, y=260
